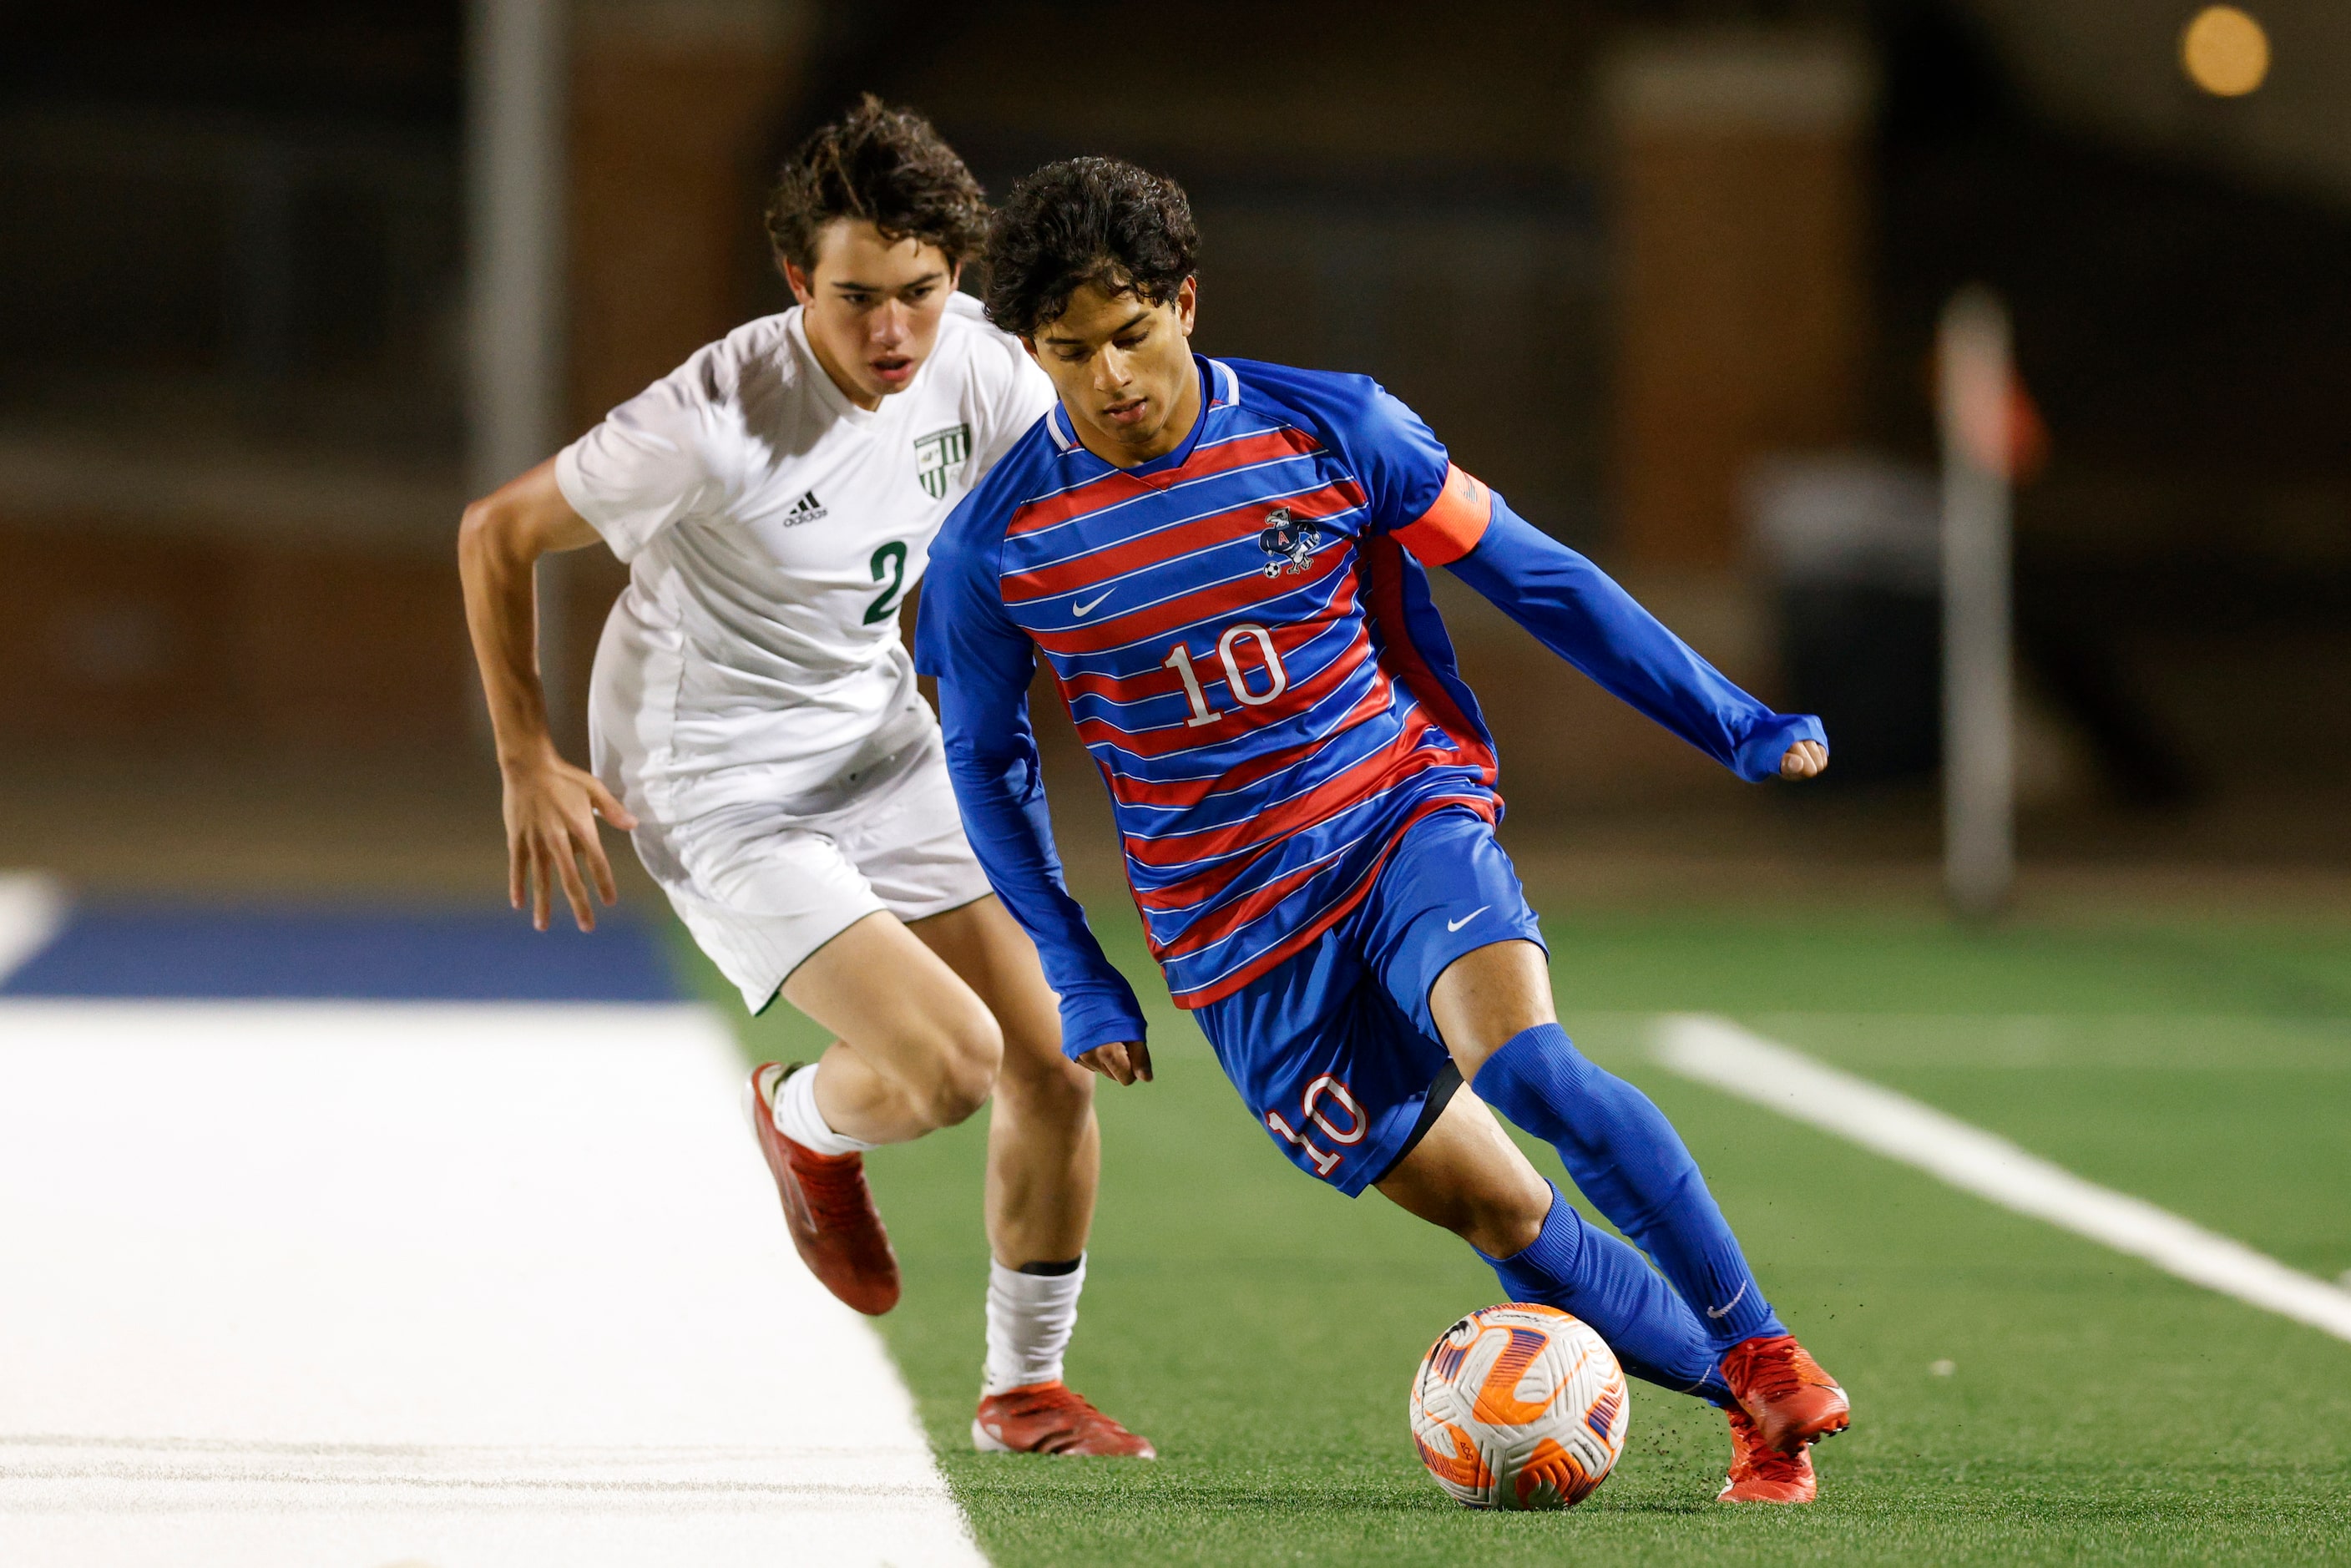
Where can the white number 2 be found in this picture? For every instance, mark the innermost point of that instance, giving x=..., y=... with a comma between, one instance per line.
x=1179, y=660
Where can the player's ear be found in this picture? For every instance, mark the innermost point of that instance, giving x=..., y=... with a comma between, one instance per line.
x=798, y=282
x=1187, y=304
x=1030, y=344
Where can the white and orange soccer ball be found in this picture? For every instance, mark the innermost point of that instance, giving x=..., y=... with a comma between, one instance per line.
x=1520, y=1406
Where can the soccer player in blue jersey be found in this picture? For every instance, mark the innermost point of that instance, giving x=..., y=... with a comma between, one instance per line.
x=1223, y=562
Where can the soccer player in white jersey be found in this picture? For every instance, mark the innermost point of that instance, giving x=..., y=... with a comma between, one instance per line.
x=756, y=728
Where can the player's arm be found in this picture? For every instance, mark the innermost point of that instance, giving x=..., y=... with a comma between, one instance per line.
x=550, y=805
x=1580, y=613
x=1444, y=517
x=983, y=664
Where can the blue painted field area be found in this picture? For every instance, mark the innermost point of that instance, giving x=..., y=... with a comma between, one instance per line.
x=339, y=952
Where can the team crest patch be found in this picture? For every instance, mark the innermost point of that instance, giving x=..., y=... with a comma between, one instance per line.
x=1288, y=542
x=938, y=455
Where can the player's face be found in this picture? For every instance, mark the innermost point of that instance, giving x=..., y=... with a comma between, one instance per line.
x=872, y=306
x=1125, y=370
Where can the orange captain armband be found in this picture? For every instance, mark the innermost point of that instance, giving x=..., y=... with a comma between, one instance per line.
x=1451, y=527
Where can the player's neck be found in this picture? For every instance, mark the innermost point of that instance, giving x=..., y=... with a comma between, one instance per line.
x=1169, y=436
x=857, y=395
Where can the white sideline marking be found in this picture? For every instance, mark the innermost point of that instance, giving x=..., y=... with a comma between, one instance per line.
x=31, y=908
x=491, y=1286
x=1717, y=1051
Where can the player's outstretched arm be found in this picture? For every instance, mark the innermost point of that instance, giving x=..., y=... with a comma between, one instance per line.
x=1578, y=612
x=983, y=665
x=551, y=806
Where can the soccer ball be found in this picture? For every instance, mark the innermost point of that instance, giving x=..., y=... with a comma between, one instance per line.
x=1520, y=1406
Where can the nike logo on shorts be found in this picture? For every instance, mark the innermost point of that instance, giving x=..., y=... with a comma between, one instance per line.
x=1083, y=611
x=1457, y=924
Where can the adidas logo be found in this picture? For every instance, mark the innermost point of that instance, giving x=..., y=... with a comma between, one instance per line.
x=807, y=509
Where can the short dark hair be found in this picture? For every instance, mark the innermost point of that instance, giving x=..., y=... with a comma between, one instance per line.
x=1087, y=220
x=886, y=165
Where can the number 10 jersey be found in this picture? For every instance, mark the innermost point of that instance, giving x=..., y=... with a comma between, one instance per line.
x=1245, y=639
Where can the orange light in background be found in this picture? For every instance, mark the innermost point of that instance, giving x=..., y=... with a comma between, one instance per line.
x=2225, y=51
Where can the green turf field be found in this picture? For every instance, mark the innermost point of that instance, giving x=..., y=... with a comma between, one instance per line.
x=1262, y=1330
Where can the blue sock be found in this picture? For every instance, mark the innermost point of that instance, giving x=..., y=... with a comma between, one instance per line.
x=1627, y=1159
x=1578, y=1269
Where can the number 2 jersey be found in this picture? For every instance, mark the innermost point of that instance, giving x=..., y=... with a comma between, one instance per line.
x=772, y=528
x=1243, y=632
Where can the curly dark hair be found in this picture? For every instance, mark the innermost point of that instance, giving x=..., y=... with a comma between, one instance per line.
x=1087, y=220
x=886, y=165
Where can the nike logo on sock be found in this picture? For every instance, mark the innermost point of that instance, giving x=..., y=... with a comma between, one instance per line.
x=1083, y=611
x=1457, y=924
x=1724, y=1311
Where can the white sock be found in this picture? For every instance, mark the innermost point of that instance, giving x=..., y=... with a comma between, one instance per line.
x=1029, y=1319
x=798, y=1118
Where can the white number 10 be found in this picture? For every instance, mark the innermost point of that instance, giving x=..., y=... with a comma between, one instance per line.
x=1277, y=678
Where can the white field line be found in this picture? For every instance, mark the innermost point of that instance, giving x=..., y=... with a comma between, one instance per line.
x=477, y=1286
x=31, y=908
x=1714, y=1050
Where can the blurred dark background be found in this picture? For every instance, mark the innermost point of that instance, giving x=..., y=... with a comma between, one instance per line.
x=1665, y=274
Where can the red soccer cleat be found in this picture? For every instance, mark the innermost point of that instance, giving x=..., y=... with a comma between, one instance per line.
x=1049, y=1419
x=1793, y=1401
x=1760, y=1473
x=828, y=1206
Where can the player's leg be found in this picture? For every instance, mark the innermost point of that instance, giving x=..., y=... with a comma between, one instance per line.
x=1466, y=1176
x=781, y=911
x=1351, y=1087
x=1044, y=1163
x=1456, y=948
x=1044, y=1149
x=914, y=1054
x=917, y=1048
x=1493, y=1009
x=1448, y=930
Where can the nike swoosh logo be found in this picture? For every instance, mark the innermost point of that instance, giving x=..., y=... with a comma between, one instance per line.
x=1457, y=924
x=1724, y=1311
x=1083, y=611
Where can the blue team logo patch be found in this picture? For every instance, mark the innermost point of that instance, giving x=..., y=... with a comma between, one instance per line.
x=1288, y=542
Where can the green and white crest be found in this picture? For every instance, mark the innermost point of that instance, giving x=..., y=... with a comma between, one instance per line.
x=938, y=455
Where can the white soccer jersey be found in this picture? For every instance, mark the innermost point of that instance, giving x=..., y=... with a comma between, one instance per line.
x=772, y=529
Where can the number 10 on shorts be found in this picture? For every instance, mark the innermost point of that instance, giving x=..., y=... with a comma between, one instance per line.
x=1326, y=1094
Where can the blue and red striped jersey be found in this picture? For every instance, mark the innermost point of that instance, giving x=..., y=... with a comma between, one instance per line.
x=1243, y=633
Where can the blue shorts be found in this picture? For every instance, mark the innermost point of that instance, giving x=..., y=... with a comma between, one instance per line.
x=1333, y=1050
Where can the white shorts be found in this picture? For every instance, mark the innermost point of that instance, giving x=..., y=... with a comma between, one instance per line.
x=762, y=888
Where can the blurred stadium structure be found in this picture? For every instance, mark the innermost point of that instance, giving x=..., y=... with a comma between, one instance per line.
x=1667, y=274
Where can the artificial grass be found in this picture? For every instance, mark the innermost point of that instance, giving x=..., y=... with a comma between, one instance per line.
x=1262, y=1330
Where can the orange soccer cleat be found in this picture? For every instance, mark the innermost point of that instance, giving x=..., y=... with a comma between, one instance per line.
x=828, y=1206
x=1760, y=1473
x=1050, y=1418
x=1793, y=1401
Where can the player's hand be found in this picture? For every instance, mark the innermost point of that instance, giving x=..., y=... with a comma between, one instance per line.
x=1125, y=1061
x=551, y=809
x=1805, y=759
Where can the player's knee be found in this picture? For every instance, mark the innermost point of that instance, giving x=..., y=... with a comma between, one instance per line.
x=1501, y=1217
x=970, y=1054
x=1505, y=1227
x=1044, y=1085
